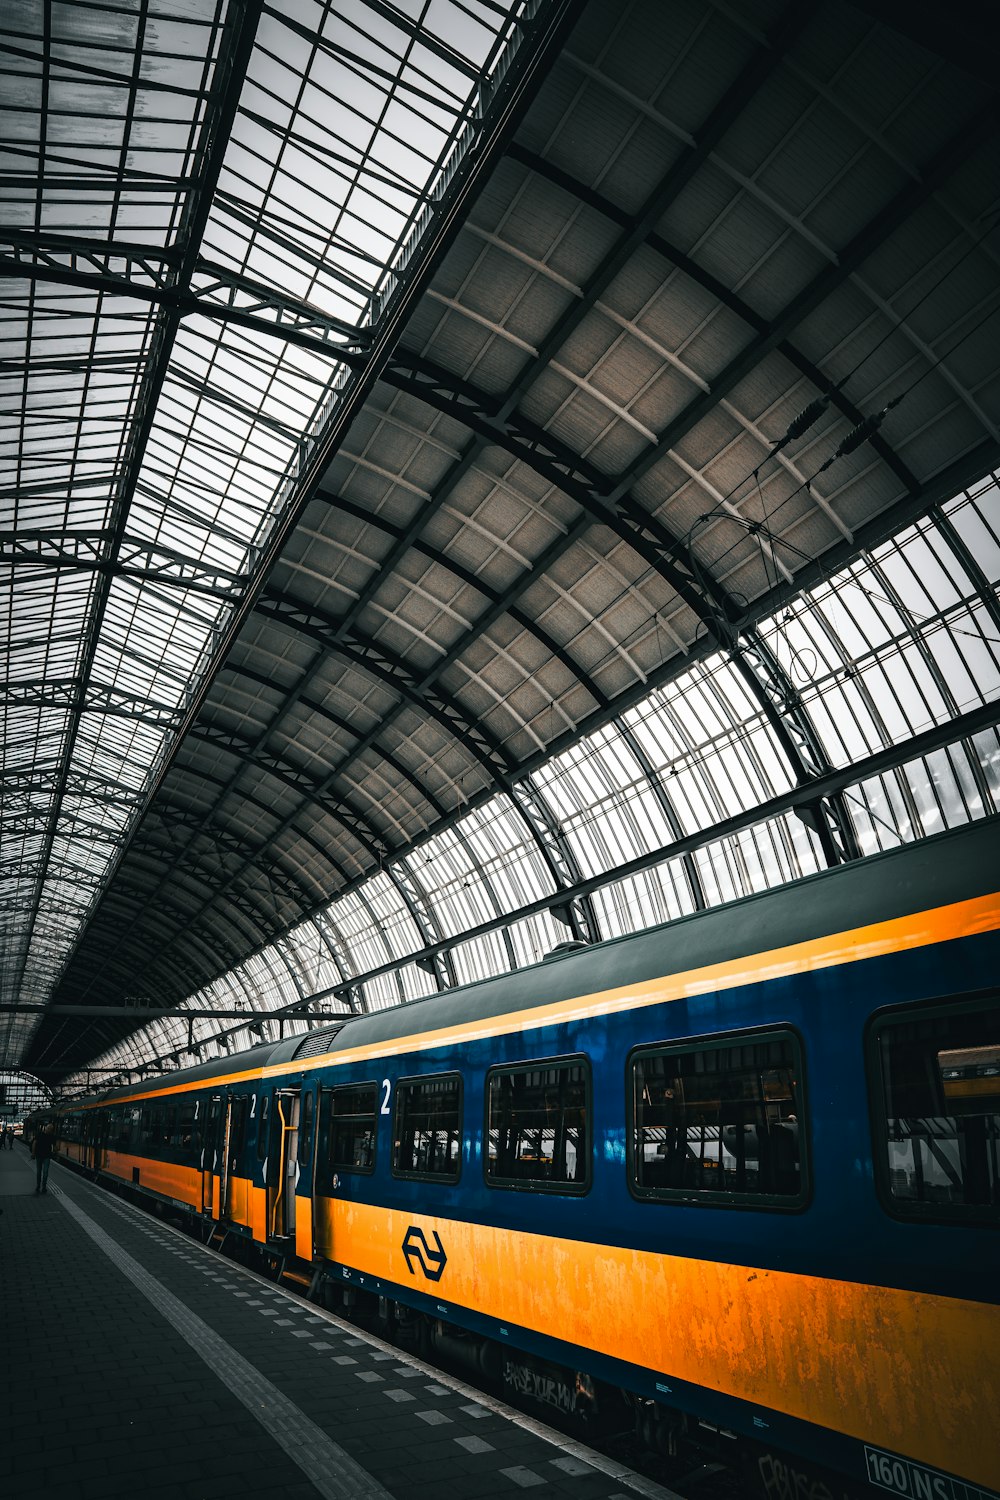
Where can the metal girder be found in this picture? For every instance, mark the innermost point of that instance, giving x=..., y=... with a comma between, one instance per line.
x=172, y=1013
x=211, y=840
x=32, y=821
x=577, y=913
x=220, y=110
x=380, y=664
x=317, y=709
x=249, y=857
x=720, y=292
x=765, y=60
x=149, y=275
x=483, y=142
x=88, y=697
x=223, y=786
x=828, y=817
x=297, y=781
x=666, y=805
x=127, y=907
x=43, y=550
x=440, y=963
x=316, y=794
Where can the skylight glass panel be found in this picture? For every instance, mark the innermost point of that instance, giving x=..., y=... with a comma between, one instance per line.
x=709, y=742
x=344, y=121
x=308, y=955
x=661, y=894
x=501, y=847
x=481, y=958
x=358, y=930
x=415, y=982
x=454, y=884
x=398, y=929
x=607, y=808
x=899, y=641
x=383, y=992
x=535, y=936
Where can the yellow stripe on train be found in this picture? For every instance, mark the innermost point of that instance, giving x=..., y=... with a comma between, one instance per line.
x=914, y=1373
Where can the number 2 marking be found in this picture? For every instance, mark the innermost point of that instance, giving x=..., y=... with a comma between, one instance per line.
x=385, y=1097
x=253, y=1106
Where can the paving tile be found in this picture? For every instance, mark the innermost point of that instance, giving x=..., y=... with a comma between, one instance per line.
x=475, y=1445
x=525, y=1479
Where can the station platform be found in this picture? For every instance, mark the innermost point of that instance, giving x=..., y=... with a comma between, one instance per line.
x=140, y=1363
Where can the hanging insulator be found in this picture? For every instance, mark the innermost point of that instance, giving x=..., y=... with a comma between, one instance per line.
x=802, y=422
x=860, y=434
x=865, y=429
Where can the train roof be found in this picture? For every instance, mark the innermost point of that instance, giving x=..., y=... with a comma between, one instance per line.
x=949, y=867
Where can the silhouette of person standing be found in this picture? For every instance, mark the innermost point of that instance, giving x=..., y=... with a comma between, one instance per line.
x=42, y=1152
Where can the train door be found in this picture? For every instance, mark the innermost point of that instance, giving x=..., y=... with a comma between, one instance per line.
x=305, y=1225
x=93, y=1128
x=322, y=1221
x=210, y=1163
x=284, y=1155
x=235, y=1134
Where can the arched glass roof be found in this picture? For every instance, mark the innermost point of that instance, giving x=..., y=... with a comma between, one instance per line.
x=484, y=474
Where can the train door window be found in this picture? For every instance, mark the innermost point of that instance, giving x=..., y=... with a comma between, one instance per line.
x=718, y=1121
x=237, y=1130
x=427, y=1128
x=935, y=1075
x=538, y=1126
x=262, y=1131
x=306, y=1128
x=212, y=1132
x=148, y=1127
x=189, y=1127
x=352, y=1127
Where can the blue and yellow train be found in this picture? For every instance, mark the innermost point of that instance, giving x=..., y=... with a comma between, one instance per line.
x=743, y=1168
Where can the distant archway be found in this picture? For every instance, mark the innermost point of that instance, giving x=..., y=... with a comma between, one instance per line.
x=20, y=1094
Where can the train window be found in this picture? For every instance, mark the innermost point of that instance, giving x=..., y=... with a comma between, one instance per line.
x=427, y=1128
x=352, y=1127
x=718, y=1121
x=537, y=1126
x=936, y=1083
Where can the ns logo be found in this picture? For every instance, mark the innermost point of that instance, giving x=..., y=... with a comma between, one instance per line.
x=431, y=1261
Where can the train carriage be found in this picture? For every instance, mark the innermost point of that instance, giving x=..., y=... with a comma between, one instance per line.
x=743, y=1168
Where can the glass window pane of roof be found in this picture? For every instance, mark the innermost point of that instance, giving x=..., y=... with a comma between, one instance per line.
x=500, y=847
x=658, y=895
x=480, y=958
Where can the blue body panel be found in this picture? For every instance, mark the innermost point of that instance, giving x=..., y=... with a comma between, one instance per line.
x=843, y=1232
